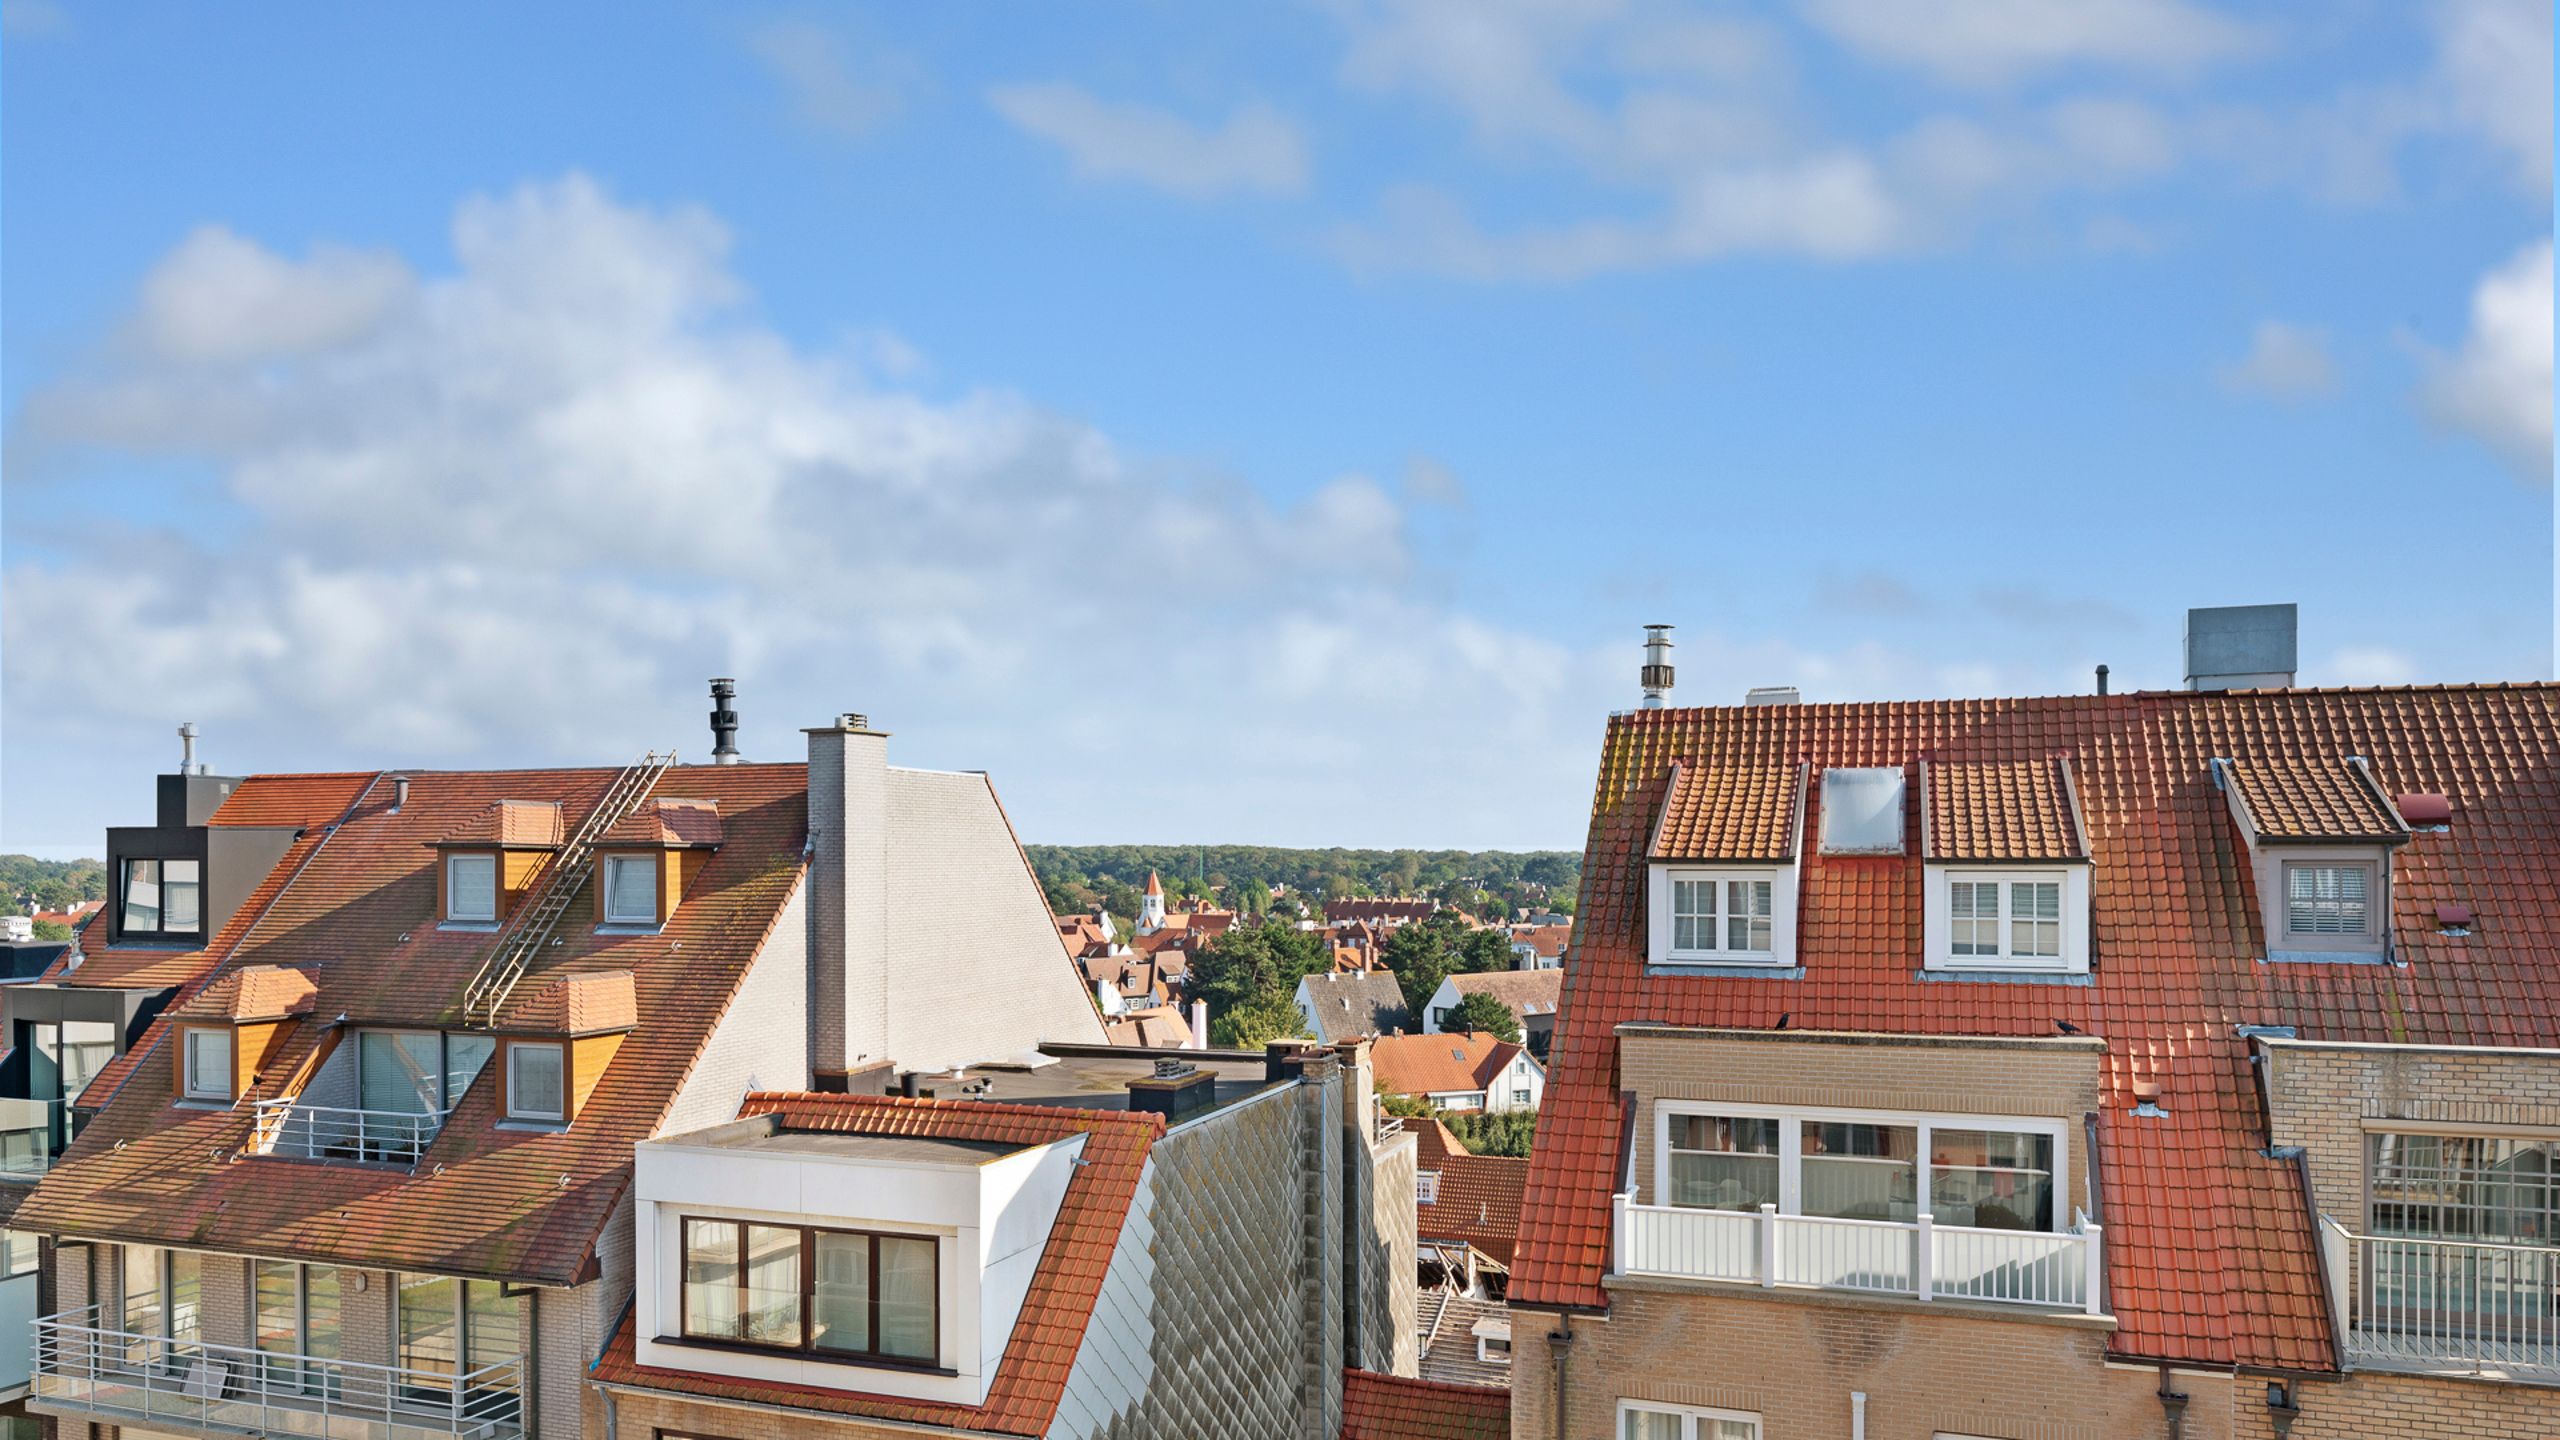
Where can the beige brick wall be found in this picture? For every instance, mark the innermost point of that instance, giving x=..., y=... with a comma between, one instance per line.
x=650, y=1416
x=2368, y=1406
x=2325, y=1098
x=2055, y=1079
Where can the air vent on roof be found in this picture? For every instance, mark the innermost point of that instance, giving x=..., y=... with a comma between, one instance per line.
x=1772, y=695
x=1862, y=811
x=2425, y=810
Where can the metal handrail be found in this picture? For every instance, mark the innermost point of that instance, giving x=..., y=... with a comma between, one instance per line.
x=526, y=932
x=93, y=1369
x=2472, y=1306
x=330, y=1132
x=2053, y=1269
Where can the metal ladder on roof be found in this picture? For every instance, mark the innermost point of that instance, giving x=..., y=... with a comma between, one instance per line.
x=531, y=928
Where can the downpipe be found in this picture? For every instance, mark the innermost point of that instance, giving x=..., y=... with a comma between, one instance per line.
x=1560, y=1343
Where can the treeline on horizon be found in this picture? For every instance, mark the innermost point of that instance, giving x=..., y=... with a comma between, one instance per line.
x=1487, y=883
x=50, y=885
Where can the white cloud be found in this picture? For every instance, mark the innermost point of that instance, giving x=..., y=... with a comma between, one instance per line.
x=2497, y=386
x=2285, y=362
x=830, y=89
x=1256, y=150
x=1992, y=42
x=2493, y=76
x=220, y=297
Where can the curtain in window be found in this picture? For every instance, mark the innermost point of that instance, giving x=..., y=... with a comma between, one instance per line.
x=1746, y=912
x=2325, y=899
x=209, y=1063
x=471, y=887
x=632, y=890
x=1651, y=1425
x=1973, y=917
x=906, y=1297
x=711, y=1280
x=840, y=1298
x=86, y=1047
x=773, y=1286
x=2035, y=918
x=1693, y=914
x=534, y=1084
x=181, y=895
x=1723, y=1162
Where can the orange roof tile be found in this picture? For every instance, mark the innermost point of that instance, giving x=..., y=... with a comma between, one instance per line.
x=533, y=824
x=2211, y=1255
x=2294, y=799
x=1479, y=1195
x=2009, y=810
x=1022, y=1397
x=1439, y=1064
x=252, y=992
x=350, y=905
x=1728, y=812
x=1389, y=1407
x=670, y=822
x=587, y=1004
x=280, y=801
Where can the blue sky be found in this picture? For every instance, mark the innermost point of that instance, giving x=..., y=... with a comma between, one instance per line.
x=1237, y=423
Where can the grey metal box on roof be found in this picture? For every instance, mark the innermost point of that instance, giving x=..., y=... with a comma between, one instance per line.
x=1862, y=811
x=2241, y=647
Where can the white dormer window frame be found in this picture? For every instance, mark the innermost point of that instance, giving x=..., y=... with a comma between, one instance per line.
x=2016, y=919
x=1694, y=918
x=615, y=911
x=475, y=903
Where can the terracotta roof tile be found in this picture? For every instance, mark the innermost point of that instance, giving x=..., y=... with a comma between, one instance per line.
x=1439, y=1064
x=1479, y=1195
x=586, y=1004
x=1526, y=992
x=279, y=801
x=1388, y=1407
x=1728, y=812
x=2314, y=799
x=2002, y=810
x=529, y=823
x=252, y=992
x=2211, y=1258
x=670, y=822
x=1022, y=1397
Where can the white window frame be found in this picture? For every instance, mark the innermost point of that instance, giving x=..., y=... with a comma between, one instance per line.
x=231, y=1059
x=453, y=892
x=515, y=1103
x=1426, y=1188
x=1792, y=1119
x=2315, y=939
x=612, y=866
x=1659, y=931
x=1938, y=923
x=1689, y=1416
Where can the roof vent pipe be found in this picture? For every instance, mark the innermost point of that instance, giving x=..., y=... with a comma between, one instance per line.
x=399, y=793
x=187, y=748
x=2102, y=679
x=1656, y=675
x=724, y=722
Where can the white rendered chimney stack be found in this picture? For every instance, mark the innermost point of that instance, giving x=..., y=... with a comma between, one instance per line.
x=848, y=898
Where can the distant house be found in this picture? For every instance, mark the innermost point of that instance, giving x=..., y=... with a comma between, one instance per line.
x=1385, y=912
x=1352, y=1004
x=1466, y=1224
x=1540, y=947
x=1460, y=1072
x=1530, y=995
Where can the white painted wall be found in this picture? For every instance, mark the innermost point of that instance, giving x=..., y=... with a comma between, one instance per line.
x=759, y=1041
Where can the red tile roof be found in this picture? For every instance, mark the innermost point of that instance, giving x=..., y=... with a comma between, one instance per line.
x=1479, y=1195
x=1379, y=910
x=530, y=823
x=291, y=801
x=2002, y=810
x=251, y=992
x=350, y=906
x=2314, y=799
x=1439, y=1064
x=1726, y=812
x=1022, y=1398
x=670, y=822
x=2210, y=1251
x=1388, y=1407
x=587, y=1004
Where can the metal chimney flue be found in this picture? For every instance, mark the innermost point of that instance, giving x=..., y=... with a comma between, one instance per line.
x=187, y=749
x=2102, y=679
x=1656, y=675
x=724, y=722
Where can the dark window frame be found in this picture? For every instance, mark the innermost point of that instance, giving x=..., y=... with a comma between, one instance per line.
x=806, y=1345
x=160, y=926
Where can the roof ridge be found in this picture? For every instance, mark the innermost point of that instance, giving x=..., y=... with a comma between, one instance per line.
x=912, y=1104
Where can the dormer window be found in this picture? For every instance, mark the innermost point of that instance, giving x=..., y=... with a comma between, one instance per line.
x=631, y=889
x=1721, y=868
x=868, y=1295
x=2006, y=865
x=2328, y=900
x=208, y=1064
x=471, y=888
x=537, y=1082
x=2320, y=835
x=162, y=897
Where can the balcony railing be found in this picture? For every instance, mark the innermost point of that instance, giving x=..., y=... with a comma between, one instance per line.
x=147, y=1381
x=1924, y=1259
x=323, y=1132
x=33, y=1134
x=2447, y=1306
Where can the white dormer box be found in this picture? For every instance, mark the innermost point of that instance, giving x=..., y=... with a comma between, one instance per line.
x=2320, y=835
x=2005, y=869
x=874, y=1263
x=1721, y=868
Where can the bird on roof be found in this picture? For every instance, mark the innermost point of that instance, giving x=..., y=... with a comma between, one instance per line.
x=1783, y=1018
x=2066, y=1027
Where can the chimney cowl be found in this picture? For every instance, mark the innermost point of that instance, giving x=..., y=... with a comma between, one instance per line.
x=724, y=721
x=1655, y=675
x=399, y=793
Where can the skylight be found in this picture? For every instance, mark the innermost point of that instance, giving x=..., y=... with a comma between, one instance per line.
x=1862, y=811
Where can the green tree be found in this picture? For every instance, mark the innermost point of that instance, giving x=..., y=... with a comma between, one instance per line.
x=52, y=930
x=1482, y=1012
x=1507, y=1132
x=1249, y=978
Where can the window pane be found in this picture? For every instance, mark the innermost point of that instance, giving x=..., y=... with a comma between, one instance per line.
x=464, y=1058
x=1860, y=1172
x=2496, y=1189
x=25, y=1249
x=493, y=1334
x=275, y=1298
x=840, y=1317
x=534, y=1082
x=320, y=1311
x=711, y=1280
x=631, y=890
x=1722, y=1162
x=2035, y=918
x=1728, y=1430
x=209, y=1063
x=1973, y=916
x=142, y=1289
x=2325, y=899
x=186, y=1295
x=906, y=1297
x=471, y=887
x=142, y=894
x=84, y=1049
x=773, y=1285
x=428, y=1319
x=1650, y=1425
x=181, y=895
x=399, y=1071
x=1991, y=1179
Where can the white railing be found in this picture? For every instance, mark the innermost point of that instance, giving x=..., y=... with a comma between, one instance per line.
x=85, y=1370
x=324, y=1132
x=1922, y=1259
x=2452, y=1305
